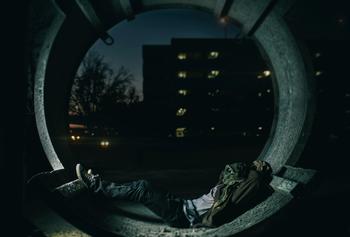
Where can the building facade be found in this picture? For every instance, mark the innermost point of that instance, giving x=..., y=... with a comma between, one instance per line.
x=207, y=88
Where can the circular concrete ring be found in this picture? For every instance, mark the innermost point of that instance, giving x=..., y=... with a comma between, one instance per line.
x=62, y=50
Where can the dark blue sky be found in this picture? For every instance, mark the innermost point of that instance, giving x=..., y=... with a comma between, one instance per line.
x=157, y=27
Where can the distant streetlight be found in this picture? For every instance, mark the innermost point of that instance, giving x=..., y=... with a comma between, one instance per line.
x=224, y=21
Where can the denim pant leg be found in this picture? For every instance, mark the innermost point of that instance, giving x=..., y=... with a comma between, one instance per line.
x=161, y=202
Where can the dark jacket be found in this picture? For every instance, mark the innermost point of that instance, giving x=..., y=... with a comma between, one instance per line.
x=253, y=190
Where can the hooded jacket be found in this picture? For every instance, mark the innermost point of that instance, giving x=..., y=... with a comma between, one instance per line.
x=240, y=197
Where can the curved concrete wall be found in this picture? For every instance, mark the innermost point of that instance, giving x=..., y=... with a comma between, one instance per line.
x=62, y=50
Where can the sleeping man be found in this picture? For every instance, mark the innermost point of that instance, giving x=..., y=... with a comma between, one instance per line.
x=240, y=187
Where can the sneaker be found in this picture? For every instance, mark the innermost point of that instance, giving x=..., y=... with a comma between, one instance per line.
x=84, y=175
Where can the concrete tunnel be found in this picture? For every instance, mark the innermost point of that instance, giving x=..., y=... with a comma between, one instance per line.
x=60, y=51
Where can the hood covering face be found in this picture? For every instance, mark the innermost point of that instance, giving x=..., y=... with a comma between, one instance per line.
x=235, y=172
x=232, y=175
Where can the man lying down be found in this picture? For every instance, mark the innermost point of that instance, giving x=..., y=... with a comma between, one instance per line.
x=241, y=186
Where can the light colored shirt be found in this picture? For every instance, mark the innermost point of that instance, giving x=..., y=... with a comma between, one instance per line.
x=195, y=209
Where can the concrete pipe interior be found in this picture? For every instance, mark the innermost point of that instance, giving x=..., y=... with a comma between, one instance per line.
x=62, y=50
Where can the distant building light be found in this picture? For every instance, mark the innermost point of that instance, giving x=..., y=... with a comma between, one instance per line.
x=317, y=55
x=223, y=20
x=181, y=112
x=244, y=134
x=213, y=55
x=180, y=132
x=212, y=128
x=73, y=138
x=340, y=20
x=182, y=92
x=347, y=95
x=266, y=73
x=182, y=56
x=213, y=74
x=182, y=74
x=347, y=111
x=260, y=128
x=259, y=94
x=318, y=73
x=78, y=137
x=75, y=125
x=260, y=76
x=258, y=135
x=268, y=90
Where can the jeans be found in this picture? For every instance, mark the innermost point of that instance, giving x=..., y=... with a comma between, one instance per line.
x=161, y=202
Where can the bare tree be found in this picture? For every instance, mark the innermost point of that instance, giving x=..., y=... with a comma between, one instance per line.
x=97, y=88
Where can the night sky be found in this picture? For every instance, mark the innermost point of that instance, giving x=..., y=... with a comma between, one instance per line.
x=157, y=27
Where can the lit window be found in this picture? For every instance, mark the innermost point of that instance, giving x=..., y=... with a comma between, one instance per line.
x=182, y=56
x=182, y=92
x=73, y=138
x=268, y=90
x=317, y=55
x=259, y=94
x=213, y=74
x=266, y=73
x=213, y=55
x=318, y=73
x=182, y=74
x=180, y=132
x=214, y=93
x=212, y=128
x=260, y=128
x=244, y=134
x=181, y=112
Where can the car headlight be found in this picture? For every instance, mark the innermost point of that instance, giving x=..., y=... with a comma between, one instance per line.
x=104, y=143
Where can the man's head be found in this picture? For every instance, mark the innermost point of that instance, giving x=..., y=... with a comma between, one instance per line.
x=261, y=167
